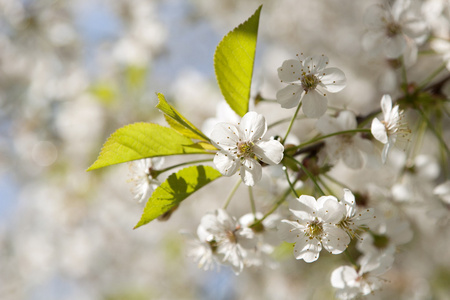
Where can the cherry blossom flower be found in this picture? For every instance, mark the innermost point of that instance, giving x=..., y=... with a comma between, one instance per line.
x=392, y=128
x=352, y=282
x=142, y=176
x=309, y=80
x=348, y=147
x=315, y=227
x=443, y=191
x=396, y=30
x=243, y=145
x=355, y=219
x=226, y=238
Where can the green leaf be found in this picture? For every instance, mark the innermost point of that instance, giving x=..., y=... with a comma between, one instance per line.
x=141, y=140
x=177, y=121
x=233, y=63
x=175, y=189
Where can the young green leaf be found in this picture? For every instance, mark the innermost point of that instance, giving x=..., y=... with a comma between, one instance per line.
x=141, y=140
x=233, y=63
x=177, y=121
x=175, y=189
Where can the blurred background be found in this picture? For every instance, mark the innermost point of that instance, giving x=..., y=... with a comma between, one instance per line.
x=72, y=72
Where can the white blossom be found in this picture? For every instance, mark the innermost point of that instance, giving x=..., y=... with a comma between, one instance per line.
x=356, y=219
x=396, y=30
x=227, y=238
x=243, y=145
x=392, y=128
x=352, y=282
x=142, y=177
x=309, y=79
x=443, y=191
x=315, y=227
x=348, y=147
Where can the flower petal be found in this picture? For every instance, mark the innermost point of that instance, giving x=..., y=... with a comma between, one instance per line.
x=386, y=106
x=333, y=80
x=289, y=96
x=226, y=163
x=225, y=136
x=307, y=249
x=394, y=46
x=290, y=70
x=314, y=104
x=347, y=120
x=375, y=17
x=344, y=277
x=352, y=157
x=251, y=171
x=378, y=131
x=253, y=126
x=336, y=240
x=315, y=63
x=270, y=152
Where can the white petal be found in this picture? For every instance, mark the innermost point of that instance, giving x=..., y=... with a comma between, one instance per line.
x=306, y=203
x=375, y=17
x=307, y=249
x=225, y=136
x=443, y=191
x=385, y=151
x=334, y=80
x=416, y=29
x=347, y=119
x=290, y=70
x=251, y=172
x=343, y=277
x=352, y=157
x=314, y=104
x=332, y=211
x=315, y=63
x=253, y=125
x=327, y=124
x=394, y=46
x=378, y=131
x=288, y=231
x=289, y=96
x=226, y=163
x=372, y=41
x=386, y=106
x=270, y=152
x=336, y=240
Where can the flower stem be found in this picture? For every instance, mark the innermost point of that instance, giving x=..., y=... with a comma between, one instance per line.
x=427, y=80
x=335, y=181
x=433, y=129
x=276, y=205
x=292, y=122
x=330, y=192
x=182, y=164
x=317, y=139
x=252, y=201
x=282, y=121
x=350, y=258
x=308, y=173
x=289, y=181
x=233, y=191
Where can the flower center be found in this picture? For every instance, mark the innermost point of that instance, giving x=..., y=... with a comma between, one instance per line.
x=244, y=149
x=309, y=82
x=380, y=241
x=315, y=229
x=393, y=29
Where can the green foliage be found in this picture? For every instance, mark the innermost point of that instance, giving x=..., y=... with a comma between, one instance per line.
x=178, y=122
x=233, y=63
x=142, y=140
x=175, y=189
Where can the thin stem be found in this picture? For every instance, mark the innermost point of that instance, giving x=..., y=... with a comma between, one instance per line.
x=427, y=80
x=282, y=121
x=325, y=185
x=335, y=181
x=233, y=191
x=308, y=173
x=350, y=258
x=183, y=164
x=438, y=136
x=289, y=181
x=252, y=201
x=445, y=159
x=404, y=76
x=314, y=140
x=292, y=122
x=274, y=208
